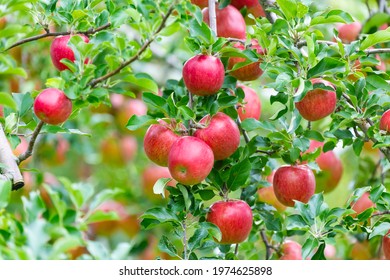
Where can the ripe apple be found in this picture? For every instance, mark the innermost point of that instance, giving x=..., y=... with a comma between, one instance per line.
x=318, y=103
x=190, y=160
x=349, y=32
x=3, y=22
x=150, y=176
x=203, y=75
x=234, y=219
x=200, y=3
x=386, y=245
x=248, y=72
x=129, y=224
x=221, y=133
x=59, y=49
x=118, y=150
x=52, y=106
x=385, y=121
x=294, y=182
x=252, y=104
x=267, y=195
x=129, y=108
x=331, y=169
x=158, y=141
x=291, y=251
x=253, y=7
x=230, y=22
x=361, y=251
x=1, y=112
x=362, y=204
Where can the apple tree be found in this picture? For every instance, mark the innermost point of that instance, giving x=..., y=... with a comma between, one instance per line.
x=202, y=129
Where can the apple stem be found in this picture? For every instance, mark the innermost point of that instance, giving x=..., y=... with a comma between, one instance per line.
x=31, y=144
x=10, y=170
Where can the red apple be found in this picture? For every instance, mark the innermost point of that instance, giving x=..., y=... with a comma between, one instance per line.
x=267, y=195
x=318, y=103
x=362, y=204
x=221, y=133
x=386, y=245
x=59, y=50
x=118, y=150
x=385, y=121
x=291, y=251
x=349, y=32
x=3, y=22
x=234, y=219
x=294, y=182
x=253, y=7
x=150, y=176
x=330, y=251
x=248, y=72
x=230, y=22
x=200, y=3
x=252, y=105
x=331, y=169
x=203, y=75
x=158, y=141
x=190, y=160
x=109, y=227
x=129, y=108
x=1, y=112
x=361, y=251
x=52, y=106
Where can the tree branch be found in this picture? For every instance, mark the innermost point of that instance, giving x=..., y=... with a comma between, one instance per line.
x=212, y=16
x=54, y=34
x=268, y=247
x=11, y=170
x=144, y=47
x=31, y=144
x=265, y=5
x=381, y=213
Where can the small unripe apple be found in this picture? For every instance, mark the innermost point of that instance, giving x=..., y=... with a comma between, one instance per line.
x=361, y=251
x=221, y=134
x=331, y=169
x=253, y=7
x=234, y=219
x=60, y=50
x=230, y=22
x=385, y=121
x=267, y=195
x=349, y=32
x=252, y=104
x=203, y=75
x=158, y=141
x=248, y=72
x=52, y=106
x=317, y=103
x=362, y=204
x=294, y=182
x=291, y=251
x=150, y=176
x=386, y=245
x=190, y=160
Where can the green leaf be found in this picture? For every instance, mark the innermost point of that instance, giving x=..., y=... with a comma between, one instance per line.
x=201, y=31
x=184, y=191
x=239, y=174
x=166, y=246
x=327, y=65
x=153, y=100
x=296, y=222
x=288, y=7
x=380, y=230
x=161, y=215
x=319, y=255
x=137, y=122
x=378, y=37
x=5, y=193
x=308, y=247
x=357, y=146
x=99, y=216
x=160, y=185
x=143, y=83
x=206, y=194
x=7, y=100
x=315, y=135
x=102, y=196
x=332, y=16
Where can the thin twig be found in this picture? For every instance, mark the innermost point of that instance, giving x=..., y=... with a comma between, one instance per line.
x=212, y=16
x=264, y=4
x=386, y=212
x=236, y=250
x=185, y=242
x=144, y=47
x=243, y=131
x=54, y=34
x=31, y=144
x=268, y=247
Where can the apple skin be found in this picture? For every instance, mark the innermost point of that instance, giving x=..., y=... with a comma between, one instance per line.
x=59, y=49
x=1, y=111
x=331, y=169
x=200, y=3
x=52, y=106
x=252, y=104
x=318, y=103
x=267, y=195
x=3, y=22
x=294, y=182
x=158, y=141
x=291, y=251
x=221, y=134
x=349, y=32
x=386, y=246
x=385, y=121
x=190, y=160
x=362, y=204
x=361, y=251
x=230, y=22
x=249, y=72
x=203, y=75
x=234, y=219
x=150, y=176
x=253, y=7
